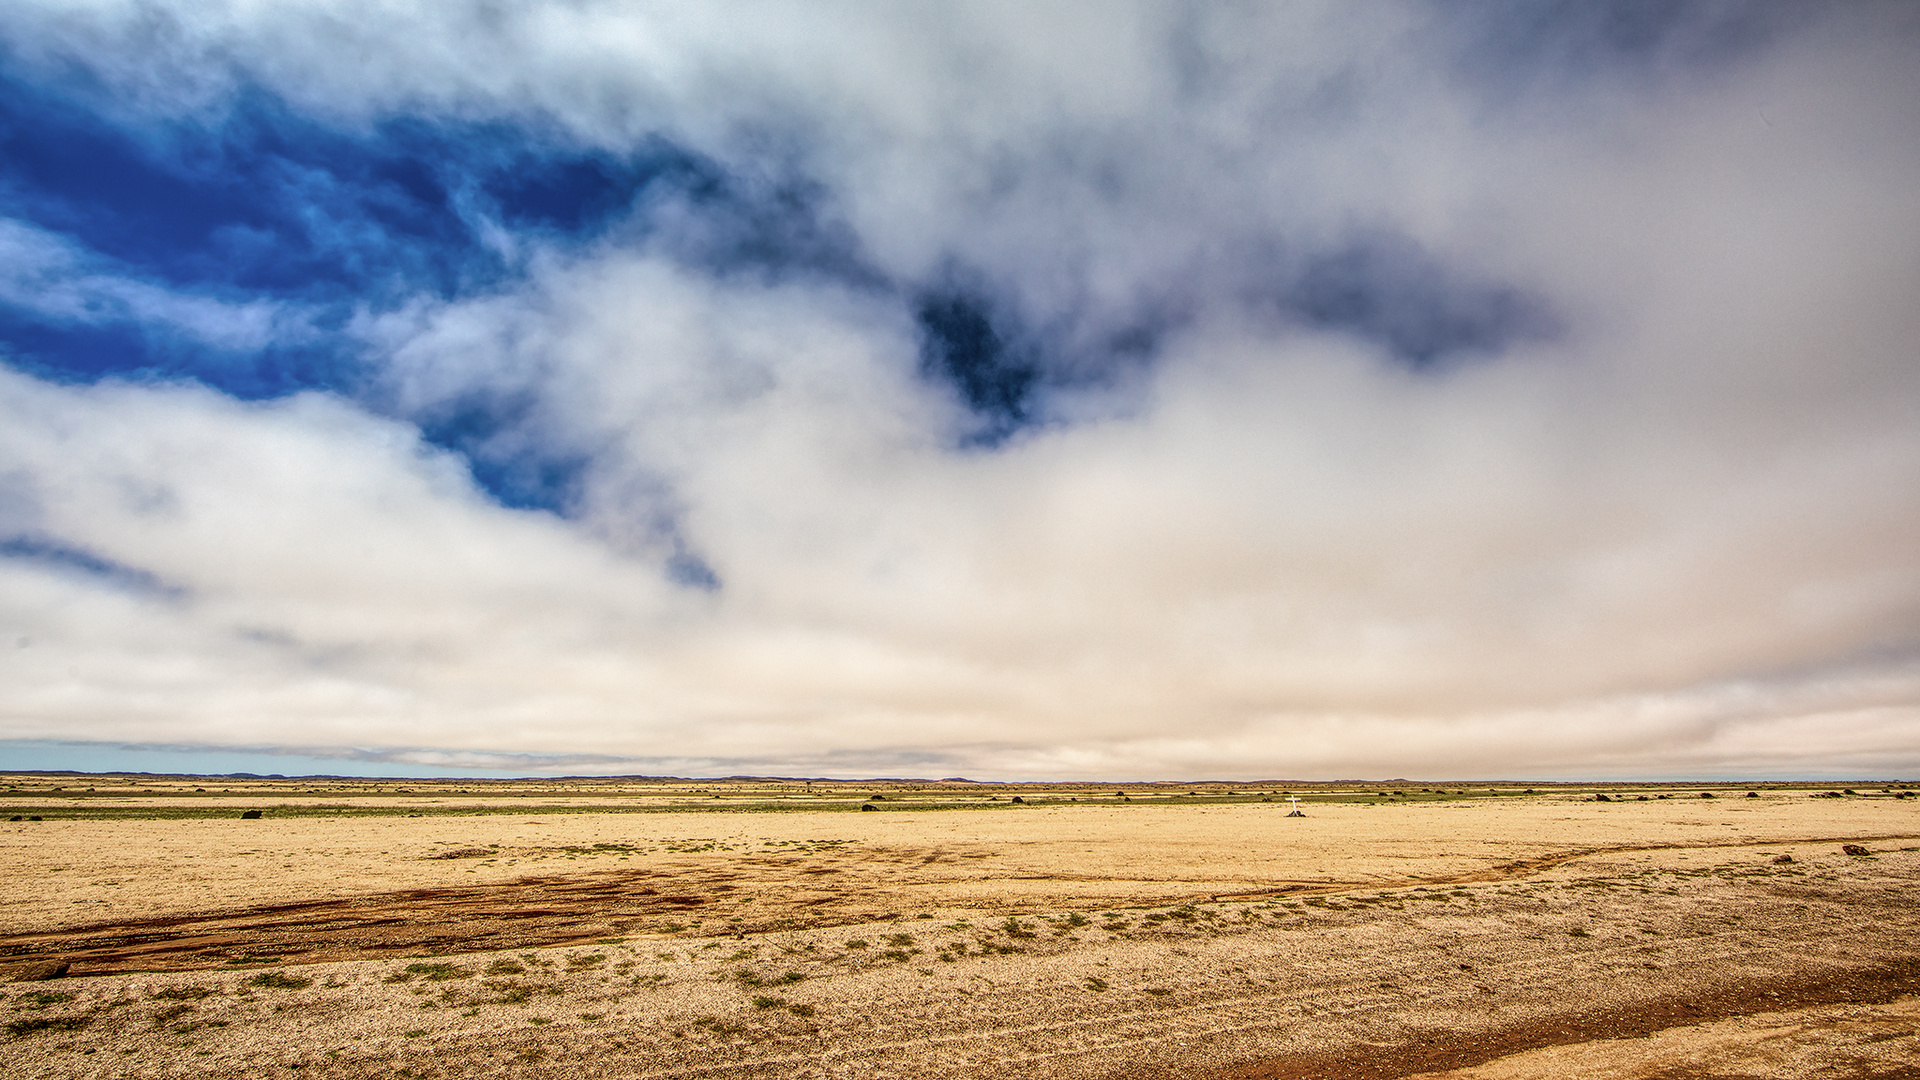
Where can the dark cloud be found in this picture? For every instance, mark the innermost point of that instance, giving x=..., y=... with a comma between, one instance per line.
x=63, y=557
x=1387, y=290
x=1517, y=44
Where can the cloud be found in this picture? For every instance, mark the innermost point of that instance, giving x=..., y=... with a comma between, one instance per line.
x=1330, y=390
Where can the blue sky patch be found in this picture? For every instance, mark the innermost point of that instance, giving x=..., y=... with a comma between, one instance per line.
x=515, y=469
x=971, y=347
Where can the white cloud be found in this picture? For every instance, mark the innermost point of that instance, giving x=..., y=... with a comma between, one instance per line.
x=45, y=273
x=1676, y=538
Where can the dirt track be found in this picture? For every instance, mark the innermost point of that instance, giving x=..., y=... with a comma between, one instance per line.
x=543, y=911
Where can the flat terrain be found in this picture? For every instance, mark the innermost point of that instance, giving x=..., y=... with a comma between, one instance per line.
x=777, y=929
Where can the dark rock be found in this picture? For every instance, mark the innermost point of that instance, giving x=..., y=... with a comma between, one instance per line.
x=39, y=971
x=1854, y=849
x=1782, y=860
x=869, y=807
x=15, y=817
x=1297, y=813
x=1020, y=800
x=1706, y=794
x=249, y=815
x=1601, y=798
x=33, y=817
x=1753, y=794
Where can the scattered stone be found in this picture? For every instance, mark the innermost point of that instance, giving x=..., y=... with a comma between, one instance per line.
x=1782, y=860
x=249, y=815
x=39, y=971
x=1297, y=813
x=1854, y=849
x=464, y=853
x=1601, y=798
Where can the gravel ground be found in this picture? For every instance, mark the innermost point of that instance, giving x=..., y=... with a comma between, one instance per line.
x=1376, y=980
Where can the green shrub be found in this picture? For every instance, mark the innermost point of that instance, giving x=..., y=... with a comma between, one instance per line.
x=438, y=972
x=32, y=1024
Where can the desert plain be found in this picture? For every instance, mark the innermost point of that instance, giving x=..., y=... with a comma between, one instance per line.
x=774, y=928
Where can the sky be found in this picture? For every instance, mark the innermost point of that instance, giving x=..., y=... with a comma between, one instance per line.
x=1117, y=390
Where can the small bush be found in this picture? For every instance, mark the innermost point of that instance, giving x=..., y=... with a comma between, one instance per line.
x=183, y=993
x=438, y=972
x=30, y=1025
x=276, y=981
x=505, y=967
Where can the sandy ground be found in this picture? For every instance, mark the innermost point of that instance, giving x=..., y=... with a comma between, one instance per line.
x=1477, y=935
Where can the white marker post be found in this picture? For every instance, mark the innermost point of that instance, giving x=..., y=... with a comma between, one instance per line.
x=1295, y=812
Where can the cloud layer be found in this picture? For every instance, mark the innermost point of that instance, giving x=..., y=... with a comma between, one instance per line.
x=1137, y=390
